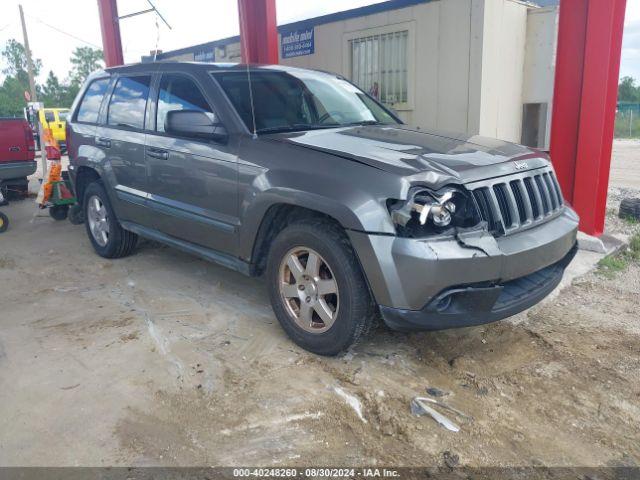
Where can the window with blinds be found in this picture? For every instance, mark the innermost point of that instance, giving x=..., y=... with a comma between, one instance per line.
x=379, y=66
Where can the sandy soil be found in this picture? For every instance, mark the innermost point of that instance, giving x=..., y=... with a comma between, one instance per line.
x=163, y=359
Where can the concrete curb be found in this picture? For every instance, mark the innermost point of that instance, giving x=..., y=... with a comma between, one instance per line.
x=606, y=244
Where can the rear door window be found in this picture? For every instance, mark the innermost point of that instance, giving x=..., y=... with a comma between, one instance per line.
x=129, y=102
x=49, y=116
x=178, y=92
x=90, y=105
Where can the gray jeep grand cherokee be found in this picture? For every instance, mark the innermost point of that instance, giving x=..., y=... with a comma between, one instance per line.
x=303, y=177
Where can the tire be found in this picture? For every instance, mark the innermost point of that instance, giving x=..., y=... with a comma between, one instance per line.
x=630, y=208
x=4, y=195
x=352, y=307
x=117, y=242
x=4, y=223
x=76, y=215
x=59, y=212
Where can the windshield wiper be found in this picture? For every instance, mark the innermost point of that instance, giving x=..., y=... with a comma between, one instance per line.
x=296, y=127
x=365, y=122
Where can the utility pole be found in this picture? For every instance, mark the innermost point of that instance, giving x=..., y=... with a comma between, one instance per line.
x=34, y=95
x=32, y=81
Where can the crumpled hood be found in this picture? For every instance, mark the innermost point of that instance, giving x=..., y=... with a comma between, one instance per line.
x=410, y=152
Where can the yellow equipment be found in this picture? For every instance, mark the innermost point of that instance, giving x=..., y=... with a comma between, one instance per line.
x=56, y=120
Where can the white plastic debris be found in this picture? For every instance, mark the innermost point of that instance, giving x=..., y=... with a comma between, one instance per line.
x=447, y=407
x=419, y=407
x=352, y=401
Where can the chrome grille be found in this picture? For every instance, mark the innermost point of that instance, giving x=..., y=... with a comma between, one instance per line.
x=512, y=203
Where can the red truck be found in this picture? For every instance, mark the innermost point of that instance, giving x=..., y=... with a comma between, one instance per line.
x=17, y=154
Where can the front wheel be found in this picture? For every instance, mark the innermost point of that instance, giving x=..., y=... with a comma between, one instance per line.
x=317, y=289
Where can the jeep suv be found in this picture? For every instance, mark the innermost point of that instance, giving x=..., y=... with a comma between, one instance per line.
x=302, y=177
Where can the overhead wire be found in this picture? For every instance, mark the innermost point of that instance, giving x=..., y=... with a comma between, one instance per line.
x=63, y=32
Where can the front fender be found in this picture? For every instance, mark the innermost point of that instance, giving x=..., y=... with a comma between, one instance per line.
x=355, y=209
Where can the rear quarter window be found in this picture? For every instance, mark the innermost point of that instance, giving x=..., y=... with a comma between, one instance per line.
x=128, y=102
x=90, y=104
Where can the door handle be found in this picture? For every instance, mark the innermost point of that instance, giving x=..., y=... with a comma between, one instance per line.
x=103, y=142
x=158, y=153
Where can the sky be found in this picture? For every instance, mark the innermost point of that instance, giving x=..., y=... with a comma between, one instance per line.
x=192, y=22
x=630, y=65
x=57, y=27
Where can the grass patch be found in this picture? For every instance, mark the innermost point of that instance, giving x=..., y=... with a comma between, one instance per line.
x=618, y=262
x=634, y=246
x=630, y=220
x=609, y=266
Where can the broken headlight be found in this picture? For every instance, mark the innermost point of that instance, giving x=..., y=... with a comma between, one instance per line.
x=428, y=212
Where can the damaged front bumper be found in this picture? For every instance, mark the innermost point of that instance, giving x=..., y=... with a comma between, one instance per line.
x=475, y=278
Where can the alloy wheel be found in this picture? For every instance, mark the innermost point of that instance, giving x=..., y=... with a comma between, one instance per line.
x=98, y=220
x=308, y=289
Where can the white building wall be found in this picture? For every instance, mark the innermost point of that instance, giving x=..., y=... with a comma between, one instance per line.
x=450, y=65
x=540, y=61
x=503, y=55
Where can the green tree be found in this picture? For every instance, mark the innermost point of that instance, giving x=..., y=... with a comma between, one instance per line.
x=11, y=97
x=16, y=82
x=57, y=94
x=628, y=91
x=53, y=92
x=85, y=60
x=15, y=61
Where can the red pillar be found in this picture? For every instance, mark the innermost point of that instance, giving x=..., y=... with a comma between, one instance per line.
x=258, y=31
x=111, y=42
x=586, y=84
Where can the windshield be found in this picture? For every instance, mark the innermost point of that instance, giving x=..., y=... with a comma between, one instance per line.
x=62, y=115
x=299, y=100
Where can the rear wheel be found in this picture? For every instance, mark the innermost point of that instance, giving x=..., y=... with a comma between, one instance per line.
x=107, y=236
x=317, y=289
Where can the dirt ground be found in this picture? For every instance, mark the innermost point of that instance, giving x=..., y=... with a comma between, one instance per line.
x=625, y=166
x=164, y=359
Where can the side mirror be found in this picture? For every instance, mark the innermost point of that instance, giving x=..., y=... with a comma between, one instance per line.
x=194, y=124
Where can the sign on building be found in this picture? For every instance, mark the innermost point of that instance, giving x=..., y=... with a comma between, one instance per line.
x=204, y=56
x=296, y=43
